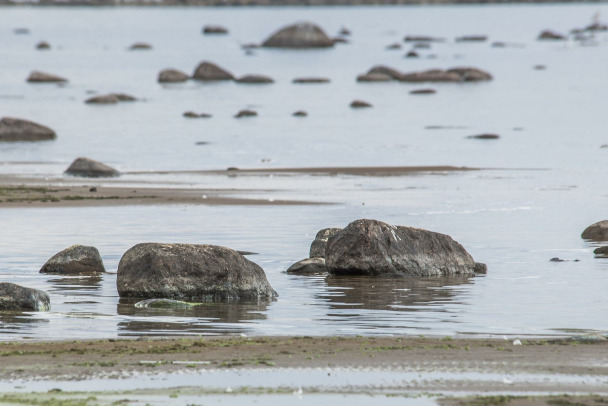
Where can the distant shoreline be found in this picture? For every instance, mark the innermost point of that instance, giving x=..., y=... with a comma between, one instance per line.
x=274, y=3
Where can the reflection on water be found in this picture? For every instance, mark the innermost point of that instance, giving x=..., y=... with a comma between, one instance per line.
x=205, y=318
x=87, y=284
x=404, y=294
x=13, y=323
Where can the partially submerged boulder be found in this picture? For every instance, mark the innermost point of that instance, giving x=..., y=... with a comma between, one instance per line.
x=208, y=71
x=601, y=251
x=597, y=231
x=188, y=272
x=375, y=248
x=311, y=80
x=317, y=248
x=308, y=266
x=90, y=168
x=300, y=113
x=472, y=38
x=17, y=298
x=300, y=35
x=215, y=29
x=75, y=260
x=246, y=113
x=172, y=76
x=422, y=38
x=423, y=91
x=192, y=114
x=16, y=129
x=358, y=104
x=43, y=77
x=551, y=35
x=255, y=79
x=110, y=98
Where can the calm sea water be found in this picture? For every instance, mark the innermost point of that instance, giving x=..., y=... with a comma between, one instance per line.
x=545, y=179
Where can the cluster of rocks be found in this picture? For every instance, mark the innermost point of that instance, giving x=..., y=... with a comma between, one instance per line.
x=210, y=72
x=383, y=73
x=374, y=248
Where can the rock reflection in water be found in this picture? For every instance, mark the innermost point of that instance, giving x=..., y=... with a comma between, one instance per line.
x=15, y=322
x=401, y=294
x=206, y=318
x=86, y=283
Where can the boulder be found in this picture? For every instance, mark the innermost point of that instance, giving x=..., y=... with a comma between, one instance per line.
x=246, y=113
x=317, y=248
x=255, y=79
x=140, y=46
x=423, y=91
x=551, y=35
x=16, y=297
x=172, y=76
x=215, y=29
x=485, y=136
x=371, y=247
x=432, y=75
x=207, y=71
x=15, y=129
x=90, y=168
x=311, y=80
x=188, y=272
x=300, y=35
x=42, y=77
x=601, y=251
x=43, y=45
x=468, y=74
x=77, y=259
x=357, y=104
x=597, y=231
x=374, y=77
x=308, y=266
x=300, y=113
x=385, y=70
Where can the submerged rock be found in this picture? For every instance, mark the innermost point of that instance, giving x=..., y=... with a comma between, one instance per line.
x=16, y=129
x=392, y=47
x=358, y=104
x=311, y=80
x=601, y=251
x=255, y=79
x=597, y=231
x=164, y=304
x=412, y=54
x=16, y=297
x=485, y=136
x=423, y=91
x=317, y=248
x=432, y=75
x=90, y=168
x=551, y=35
x=300, y=35
x=77, y=259
x=422, y=38
x=215, y=29
x=371, y=247
x=172, y=76
x=103, y=99
x=246, y=113
x=188, y=272
x=191, y=114
x=42, y=77
x=140, y=46
x=43, y=46
x=308, y=266
x=300, y=113
x=208, y=71
x=472, y=38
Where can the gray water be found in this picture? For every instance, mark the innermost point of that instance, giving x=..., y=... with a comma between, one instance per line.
x=543, y=181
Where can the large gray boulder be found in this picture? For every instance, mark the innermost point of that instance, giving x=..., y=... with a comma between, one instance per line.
x=172, y=76
x=90, y=168
x=77, y=259
x=16, y=297
x=207, y=71
x=371, y=247
x=597, y=231
x=15, y=129
x=195, y=273
x=317, y=248
x=299, y=35
x=43, y=77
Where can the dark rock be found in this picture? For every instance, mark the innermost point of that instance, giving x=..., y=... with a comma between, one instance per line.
x=480, y=268
x=385, y=70
x=255, y=79
x=412, y=54
x=311, y=80
x=103, y=99
x=90, y=168
x=172, y=76
x=422, y=38
x=540, y=67
x=471, y=74
x=21, y=31
x=597, y=231
x=191, y=114
x=423, y=91
x=344, y=31
x=140, y=46
x=188, y=272
x=485, y=136
x=394, y=46
x=300, y=113
x=163, y=304
x=433, y=75
x=300, y=35
x=317, y=248
x=16, y=297
x=42, y=77
x=472, y=38
x=596, y=26
x=556, y=259
x=374, y=77
x=43, y=45
x=15, y=129
x=215, y=29
x=357, y=104
x=246, y=113
x=308, y=266
x=601, y=251
x=124, y=97
x=77, y=259
x=208, y=71
x=371, y=247
x=93, y=189
x=551, y=35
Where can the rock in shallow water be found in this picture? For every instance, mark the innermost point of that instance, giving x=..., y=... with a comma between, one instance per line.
x=188, y=272
x=90, y=168
x=597, y=231
x=371, y=247
x=77, y=259
x=16, y=129
x=42, y=77
x=308, y=266
x=207, y=71
x=300, y=35
x=172, y=76
x=16, y=297
x=317, y=248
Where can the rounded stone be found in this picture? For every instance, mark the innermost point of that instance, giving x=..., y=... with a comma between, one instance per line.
x=208, y=71
x=77, y=259
x=308, y=266
x=16, y=129
x=90, y=168
x=300, y=35
x=172, y=76
x=15, y=297
x=597, y=231
x=42, y=77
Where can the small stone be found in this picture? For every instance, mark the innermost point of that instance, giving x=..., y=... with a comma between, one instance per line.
x=300, y=113
x=172, y=76
x=394, y=46
x=311, y=80
x=480, y=268
x=412, y=54
x=140, y=46
x=43, y=45
x=308, y=266
x=103, y=99
x=90, y=168
x=601, y=251
x=357, y=104
x=485, y=136
x=551, y=35
x=556, y=259
x=246, y=113
x=255, y=79
x=215, y=29
x=472, y=38
x=42, y=77
x=423, y=91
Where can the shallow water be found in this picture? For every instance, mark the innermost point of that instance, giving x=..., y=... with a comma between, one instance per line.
x=545, y=185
